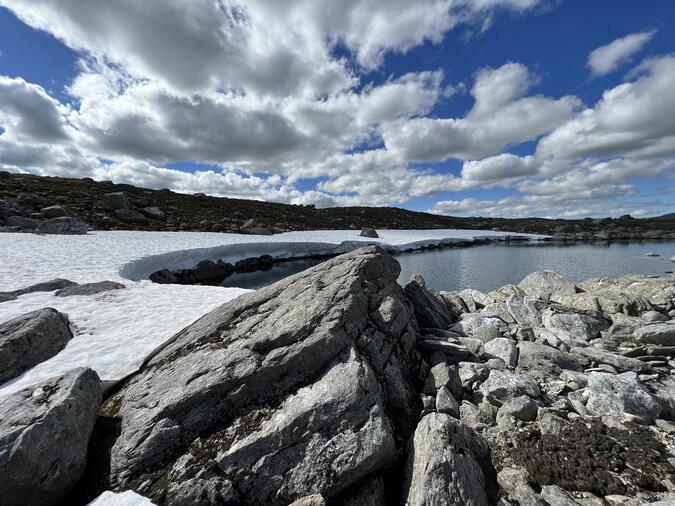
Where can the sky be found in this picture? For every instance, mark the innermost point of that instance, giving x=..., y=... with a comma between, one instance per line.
x=511, y=108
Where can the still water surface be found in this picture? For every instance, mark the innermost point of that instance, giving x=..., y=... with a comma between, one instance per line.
x=493, y=265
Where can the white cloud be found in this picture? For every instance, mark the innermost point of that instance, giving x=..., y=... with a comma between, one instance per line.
x=500, y=117
x=29, y=113
x=499, y=168
x=608, y=58
x=635, y=118
x=257, y=86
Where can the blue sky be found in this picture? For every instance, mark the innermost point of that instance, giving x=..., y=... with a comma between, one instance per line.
x=375, y=104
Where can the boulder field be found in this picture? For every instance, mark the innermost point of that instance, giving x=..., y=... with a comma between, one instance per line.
x=337, y=386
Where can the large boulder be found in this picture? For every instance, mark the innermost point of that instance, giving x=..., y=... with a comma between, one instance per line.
x=545, y=284
x=44, y=433
x=303, y=387
x=430, y=308
x=63, y=226
x=30, y=339
x=610, y=396
x=442, y=465
x=115, y=201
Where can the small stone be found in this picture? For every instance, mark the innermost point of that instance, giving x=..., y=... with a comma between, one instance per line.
x=310, y=500
x=503, y=348
x=446, y=403
x=369, y=232
x=523, y=408
x=665, y=425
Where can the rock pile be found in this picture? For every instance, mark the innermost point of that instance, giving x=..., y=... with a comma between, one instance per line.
x=209, y=272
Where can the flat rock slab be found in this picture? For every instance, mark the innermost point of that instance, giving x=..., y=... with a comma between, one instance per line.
x=303, y=387
x=44, y=433
x=657, y=333
x=90, y=288
x=30, y=339
x=620, y=363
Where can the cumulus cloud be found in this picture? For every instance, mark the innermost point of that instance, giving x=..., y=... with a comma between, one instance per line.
x=501, y=116
x=29, y=113
x=263, y=46
x=608, y=58
x=635, y=118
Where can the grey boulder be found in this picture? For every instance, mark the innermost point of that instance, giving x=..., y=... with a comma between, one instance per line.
x=303, y=387
x=369, y=232
x=541, y=361
x=545, y=284
x=115, y=201
x=44, y=433
x=23, y=223
x=656, y=333
x=442, y=464
x=31, y=338
x=522, y=408
x=610, y=396
x=54, y=211
x=600, y=356
x=502, y=386
x=64, y=225
x=131, y=216
x=580, y=325
x=503, y=348
x=47, y=286
x=89, y=288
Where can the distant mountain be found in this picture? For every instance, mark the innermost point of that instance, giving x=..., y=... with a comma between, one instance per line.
x=669, y=216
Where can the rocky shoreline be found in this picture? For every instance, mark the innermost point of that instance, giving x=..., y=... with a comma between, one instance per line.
x=337, y=386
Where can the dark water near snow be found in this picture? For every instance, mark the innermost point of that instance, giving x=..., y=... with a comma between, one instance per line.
x=493, y=265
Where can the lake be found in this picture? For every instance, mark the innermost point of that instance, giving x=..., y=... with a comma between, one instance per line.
x=490, y=266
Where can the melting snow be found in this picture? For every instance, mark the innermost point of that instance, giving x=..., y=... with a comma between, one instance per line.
x=114, y=331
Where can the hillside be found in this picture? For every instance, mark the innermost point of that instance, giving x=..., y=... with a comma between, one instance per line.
x=147, y=209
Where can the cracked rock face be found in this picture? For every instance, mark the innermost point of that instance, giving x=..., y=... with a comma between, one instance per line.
x=296, y=389
x=44, y=432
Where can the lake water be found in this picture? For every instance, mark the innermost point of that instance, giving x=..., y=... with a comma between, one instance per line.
x=490, y=266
